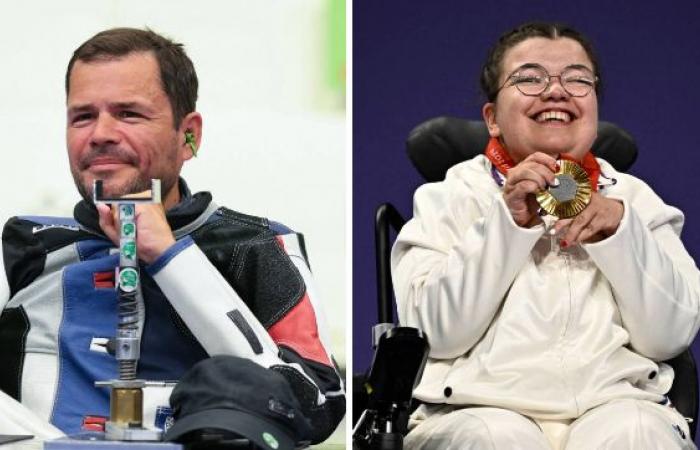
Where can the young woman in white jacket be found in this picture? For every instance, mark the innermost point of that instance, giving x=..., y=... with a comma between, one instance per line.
x=545, y=332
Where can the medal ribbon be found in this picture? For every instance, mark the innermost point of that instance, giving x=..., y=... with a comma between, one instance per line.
x=500, y=158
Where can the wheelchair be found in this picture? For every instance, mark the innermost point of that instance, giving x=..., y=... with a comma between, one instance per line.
x=382, y=399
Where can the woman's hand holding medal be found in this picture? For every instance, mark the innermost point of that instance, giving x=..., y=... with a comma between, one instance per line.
x=532, y=175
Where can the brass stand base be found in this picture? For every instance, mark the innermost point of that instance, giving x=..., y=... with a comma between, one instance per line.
x=126, y=406
x=126, y=412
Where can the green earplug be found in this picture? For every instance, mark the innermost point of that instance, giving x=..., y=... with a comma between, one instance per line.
x=189, y=140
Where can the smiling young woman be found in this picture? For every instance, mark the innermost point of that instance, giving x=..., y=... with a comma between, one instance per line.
x=539, y=325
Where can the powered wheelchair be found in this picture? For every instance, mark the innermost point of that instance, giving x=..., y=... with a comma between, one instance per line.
x=382, y=399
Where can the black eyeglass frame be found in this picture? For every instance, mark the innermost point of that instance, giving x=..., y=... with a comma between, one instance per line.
x=549, y=79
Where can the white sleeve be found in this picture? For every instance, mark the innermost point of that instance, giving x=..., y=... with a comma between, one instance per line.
x=655, y=281
x=15, y=418
x=219, y=319
x=453, y=263
x=223, y=324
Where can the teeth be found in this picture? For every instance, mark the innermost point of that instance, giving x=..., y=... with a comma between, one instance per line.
x=561, y=116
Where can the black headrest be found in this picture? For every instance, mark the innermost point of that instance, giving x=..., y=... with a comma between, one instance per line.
x=438, y=144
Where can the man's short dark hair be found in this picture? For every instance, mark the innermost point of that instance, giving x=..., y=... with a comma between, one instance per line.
x=177, y=74
x=491, y=71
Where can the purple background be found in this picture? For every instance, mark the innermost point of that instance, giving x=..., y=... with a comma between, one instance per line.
x=413, y=60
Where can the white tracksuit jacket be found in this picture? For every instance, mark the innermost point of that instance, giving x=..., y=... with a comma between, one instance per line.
x=514, y=321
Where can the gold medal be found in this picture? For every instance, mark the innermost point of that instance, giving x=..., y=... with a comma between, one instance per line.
x=571, y=196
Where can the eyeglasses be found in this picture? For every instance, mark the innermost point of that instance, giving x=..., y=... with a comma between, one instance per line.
x=533, y=80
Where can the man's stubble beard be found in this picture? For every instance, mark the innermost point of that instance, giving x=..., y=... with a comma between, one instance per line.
x=131, y=186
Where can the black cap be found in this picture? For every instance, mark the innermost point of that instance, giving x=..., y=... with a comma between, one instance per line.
x=239, y=396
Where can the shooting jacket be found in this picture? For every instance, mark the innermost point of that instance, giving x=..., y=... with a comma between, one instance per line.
x=232, y=284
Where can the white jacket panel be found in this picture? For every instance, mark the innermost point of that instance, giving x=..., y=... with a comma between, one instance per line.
x=515, y=321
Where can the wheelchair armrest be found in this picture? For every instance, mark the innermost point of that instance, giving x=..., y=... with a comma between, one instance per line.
x=396, y=369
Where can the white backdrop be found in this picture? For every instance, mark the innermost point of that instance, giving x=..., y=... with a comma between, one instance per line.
x=272, y=145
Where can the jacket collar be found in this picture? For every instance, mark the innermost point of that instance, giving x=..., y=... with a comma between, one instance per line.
x=190, y=207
